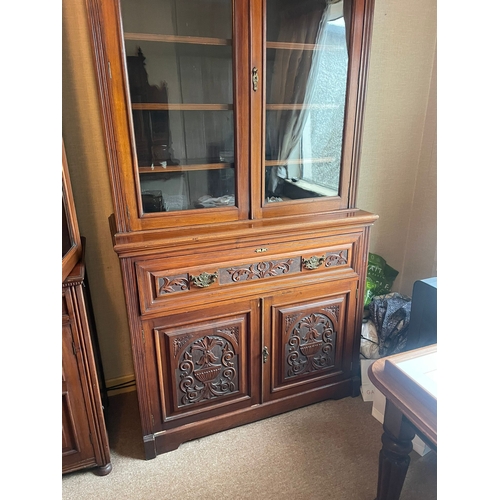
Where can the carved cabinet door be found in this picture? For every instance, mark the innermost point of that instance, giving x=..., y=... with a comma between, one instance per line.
x=204, y=362
x=308, y=338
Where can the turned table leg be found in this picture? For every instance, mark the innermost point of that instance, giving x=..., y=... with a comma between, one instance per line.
x=394, y=457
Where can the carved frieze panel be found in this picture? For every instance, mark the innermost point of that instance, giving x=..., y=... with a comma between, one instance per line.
x=171, y=284
x=336, y=259
x=259, y=270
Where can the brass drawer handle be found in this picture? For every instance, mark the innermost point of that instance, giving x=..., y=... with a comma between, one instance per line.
x=204, y=279
x=314, y=262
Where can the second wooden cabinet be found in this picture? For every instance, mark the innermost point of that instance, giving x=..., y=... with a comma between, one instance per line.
x=233, y=132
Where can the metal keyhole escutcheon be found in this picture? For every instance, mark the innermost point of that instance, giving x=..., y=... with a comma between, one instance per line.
x=255, y=79
x=265, y=354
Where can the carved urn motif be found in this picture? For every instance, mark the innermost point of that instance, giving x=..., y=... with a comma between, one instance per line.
x=310, y=345
x=207, y=370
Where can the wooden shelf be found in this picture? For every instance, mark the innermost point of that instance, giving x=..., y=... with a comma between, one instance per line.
x=158, y=106
x=195, y=40
x=184, y=168
x=300, y=46
x=284, y=107
x=276, y=163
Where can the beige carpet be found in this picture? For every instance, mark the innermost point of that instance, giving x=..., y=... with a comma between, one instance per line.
x=324, y=451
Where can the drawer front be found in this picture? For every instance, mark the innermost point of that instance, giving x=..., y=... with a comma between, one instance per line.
x=171, y=281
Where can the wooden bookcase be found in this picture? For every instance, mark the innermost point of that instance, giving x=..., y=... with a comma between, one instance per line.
x=233, y=136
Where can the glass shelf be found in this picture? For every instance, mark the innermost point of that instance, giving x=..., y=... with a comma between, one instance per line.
x=196, y=40
x=154, y=169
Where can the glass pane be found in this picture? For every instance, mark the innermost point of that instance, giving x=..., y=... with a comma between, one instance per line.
x=180, y=75
x=307, y=61
x=67, y=236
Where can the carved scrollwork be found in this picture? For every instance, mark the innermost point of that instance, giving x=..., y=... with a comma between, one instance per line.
x=171, y=284
x=290, y=319
x=336, y=259
x=311, y=344
x=232, y=331
x=260, y=270
x=207, y=370
x=334, y=310
x=180, y=342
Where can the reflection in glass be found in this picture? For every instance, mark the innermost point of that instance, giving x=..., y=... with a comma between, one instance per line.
x=307, y=61
x=67, y=237
x=180, y=74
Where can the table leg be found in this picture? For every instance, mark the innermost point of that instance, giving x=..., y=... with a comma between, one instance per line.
x=394, y=456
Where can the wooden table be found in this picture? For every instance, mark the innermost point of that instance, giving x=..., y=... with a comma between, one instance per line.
x=409, y=383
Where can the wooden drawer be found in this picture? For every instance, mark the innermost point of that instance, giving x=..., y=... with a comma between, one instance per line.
x=168, y=282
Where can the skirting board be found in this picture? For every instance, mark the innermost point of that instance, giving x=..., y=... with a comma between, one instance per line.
x=113, y=382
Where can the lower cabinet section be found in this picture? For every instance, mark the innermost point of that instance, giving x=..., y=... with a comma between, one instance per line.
x=233, y=362
x=84, y=436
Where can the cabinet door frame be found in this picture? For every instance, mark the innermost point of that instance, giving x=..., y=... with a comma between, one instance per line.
x=276, y=310
x=360, y=34
x=116, y=112
x=162, y=334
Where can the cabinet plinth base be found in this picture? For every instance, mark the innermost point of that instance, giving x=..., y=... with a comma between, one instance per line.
x=170, y=440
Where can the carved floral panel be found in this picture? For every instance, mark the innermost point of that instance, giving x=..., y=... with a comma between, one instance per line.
x=206, y=367
x=310, y=341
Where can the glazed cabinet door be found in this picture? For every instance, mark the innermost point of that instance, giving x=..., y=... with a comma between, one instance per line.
x=180, y=110
x=313, y=86
x=203, y=362
x=308, y=338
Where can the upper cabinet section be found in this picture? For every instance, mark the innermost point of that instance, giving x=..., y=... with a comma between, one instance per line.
x=224, y=110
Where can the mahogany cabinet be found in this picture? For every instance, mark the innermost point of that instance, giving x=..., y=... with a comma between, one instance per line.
x=233, y=137
x=84, y=436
